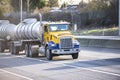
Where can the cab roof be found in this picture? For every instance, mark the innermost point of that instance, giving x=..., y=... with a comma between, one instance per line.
x=61, y=22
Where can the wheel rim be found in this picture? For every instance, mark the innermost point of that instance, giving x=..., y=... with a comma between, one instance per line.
x=26, y=50
x=30, y=52
x=14, y=52
x=47, y=53
x=11, y=49
x=0, y=47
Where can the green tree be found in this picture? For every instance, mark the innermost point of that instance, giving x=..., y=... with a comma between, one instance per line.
x=113, y=11
x=64, y=5
x=53, y=3
x=41, y=3
x=110, y=7
x=0, y=12
x=5, y=6
x=98, y=4
x=82, y=4
x=27, y=4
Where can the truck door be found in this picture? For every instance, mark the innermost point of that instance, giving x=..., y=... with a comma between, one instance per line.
x=46, y=37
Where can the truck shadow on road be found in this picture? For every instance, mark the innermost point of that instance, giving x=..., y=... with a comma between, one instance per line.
x=97, y=63
x=88, y=64
x=8, y=62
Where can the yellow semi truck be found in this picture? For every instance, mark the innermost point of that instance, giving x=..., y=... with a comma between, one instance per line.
x=58, y=40
x=48, y=38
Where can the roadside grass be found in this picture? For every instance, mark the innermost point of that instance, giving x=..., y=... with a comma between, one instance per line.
x=98, y=32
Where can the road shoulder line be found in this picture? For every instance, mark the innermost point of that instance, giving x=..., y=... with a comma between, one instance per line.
x=16, y=74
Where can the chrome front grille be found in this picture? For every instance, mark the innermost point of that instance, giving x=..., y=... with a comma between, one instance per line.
x=66, y=43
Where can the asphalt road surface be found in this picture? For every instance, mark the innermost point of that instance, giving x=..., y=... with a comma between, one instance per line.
x=92, y=64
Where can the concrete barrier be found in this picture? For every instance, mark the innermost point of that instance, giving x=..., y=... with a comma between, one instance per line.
x=95, y=42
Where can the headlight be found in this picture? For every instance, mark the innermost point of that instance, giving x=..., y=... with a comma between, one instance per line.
x=76, y=42
x=53, y=44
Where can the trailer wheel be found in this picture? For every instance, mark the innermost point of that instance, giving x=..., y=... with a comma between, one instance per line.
x=14, y=49
x=48, y=54
x=1, y=47
x=17, y=50
x=75, y=56
x=11, y=48
x=27, y=50
x=32, y=51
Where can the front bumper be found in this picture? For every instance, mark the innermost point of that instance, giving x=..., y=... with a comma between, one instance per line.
x=65, y=51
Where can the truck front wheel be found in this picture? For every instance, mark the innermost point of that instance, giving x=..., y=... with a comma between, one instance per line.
x=75, y=56
x=48, y=54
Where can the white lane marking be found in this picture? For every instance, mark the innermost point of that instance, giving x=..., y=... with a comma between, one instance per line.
x=16, y=74
x=93, y=70
x=9, y=57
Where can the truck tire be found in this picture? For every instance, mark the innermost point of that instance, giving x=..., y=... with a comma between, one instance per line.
x=48, y=53
x=75, y=56
x=11, y=48
x=32, y=51
x=14, y=49
x=1, y=47
x=27, y=50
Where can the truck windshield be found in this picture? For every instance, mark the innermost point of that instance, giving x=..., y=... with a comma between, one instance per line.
x=58, y=27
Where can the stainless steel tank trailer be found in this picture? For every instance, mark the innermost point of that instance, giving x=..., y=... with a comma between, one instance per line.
x=15, y=36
